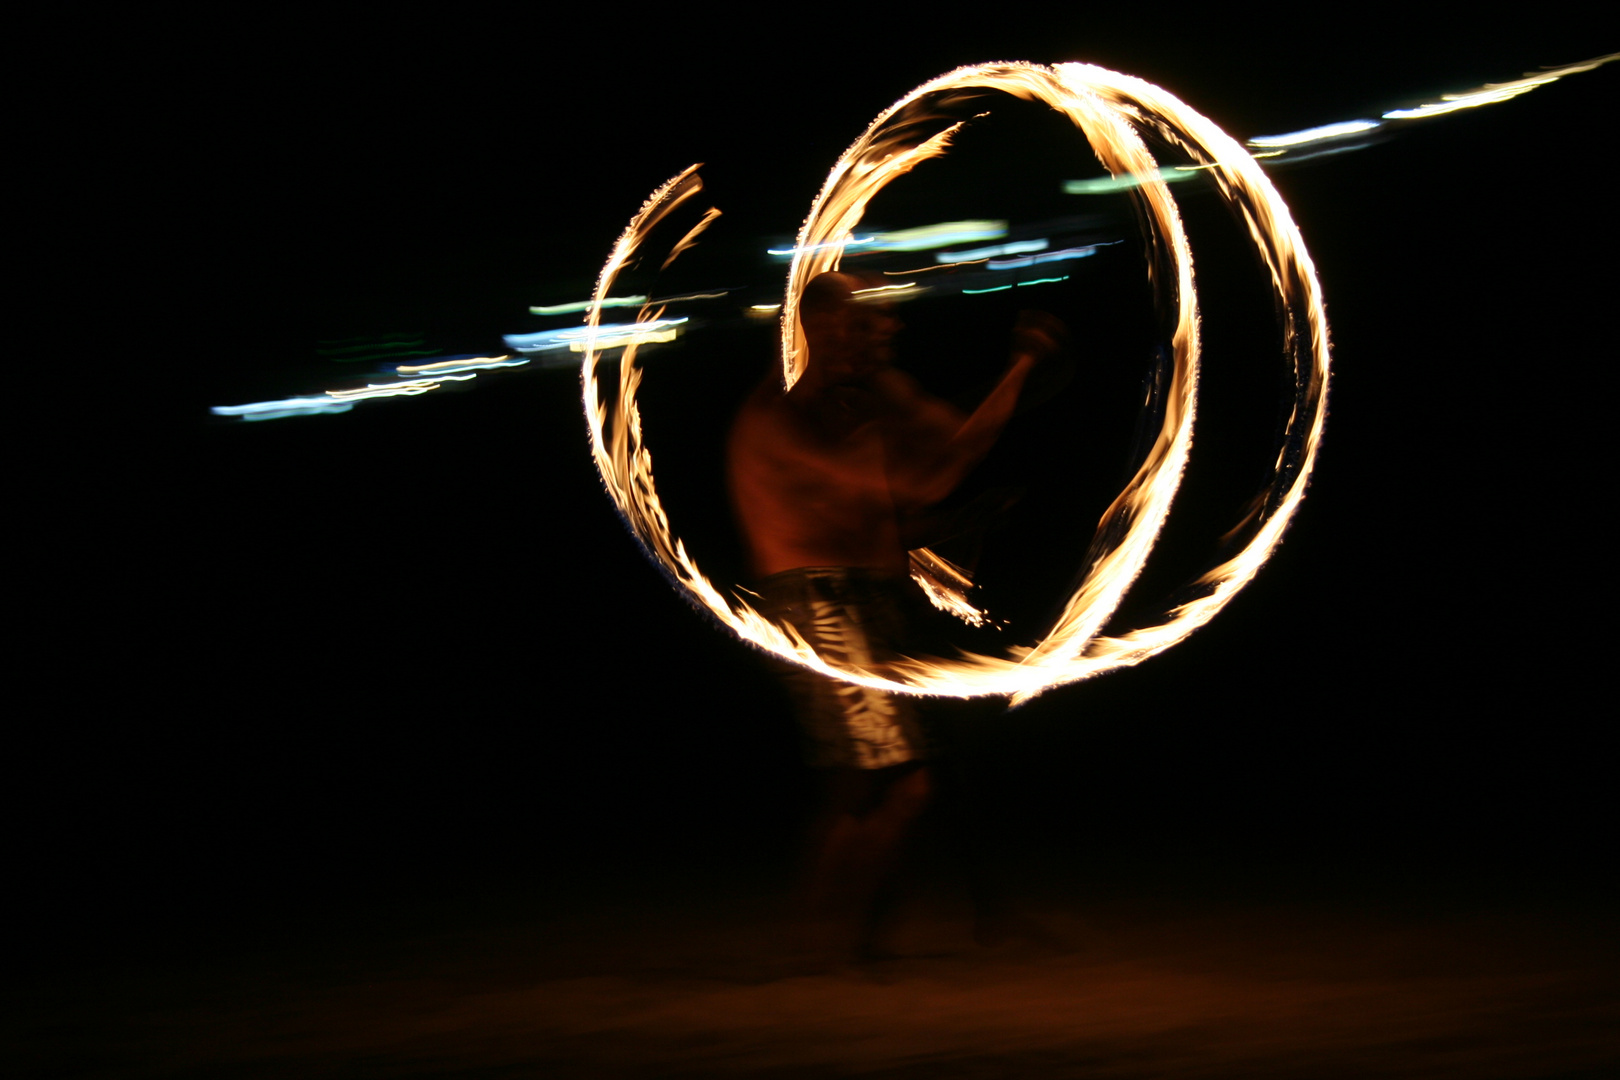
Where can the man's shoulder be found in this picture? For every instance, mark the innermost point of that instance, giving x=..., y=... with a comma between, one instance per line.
x=896, y=385
x=762, y=406
x=762, y=421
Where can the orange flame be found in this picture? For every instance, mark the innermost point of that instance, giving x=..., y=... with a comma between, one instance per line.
x=1108, y=108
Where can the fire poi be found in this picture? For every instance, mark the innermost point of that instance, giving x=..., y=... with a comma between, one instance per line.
x=1112, y=111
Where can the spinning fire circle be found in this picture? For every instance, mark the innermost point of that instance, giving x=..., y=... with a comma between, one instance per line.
x=1112, y=111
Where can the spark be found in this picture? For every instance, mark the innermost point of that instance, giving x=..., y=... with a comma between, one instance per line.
x=946, y=585
x=690, y=238
x=1107, y=108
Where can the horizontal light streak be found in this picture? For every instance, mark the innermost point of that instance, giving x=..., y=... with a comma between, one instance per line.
x=1316, y=134
x=1492, y=93
x=581, y=305
x=922, y=238
x=1107, y=185
x=275, y=410
x=1049, y=257
x=607, y=336
x=456, y=365
x=1016, y=247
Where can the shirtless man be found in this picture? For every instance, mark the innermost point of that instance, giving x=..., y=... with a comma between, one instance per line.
x=824, y=479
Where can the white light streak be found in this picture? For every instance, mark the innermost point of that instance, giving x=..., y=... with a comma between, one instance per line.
x=928, y=237
x=922, y=238
x=617, y=341
x=404, y=389
x=456, y=367
x=1017, y=247
x=829, y=244
x=694, y=296
x=569, y=309
x=1049, y=257
x=275, y=410
x=1493, y=93
x=1316, y=134
x=609, y=336
x=1108, y=185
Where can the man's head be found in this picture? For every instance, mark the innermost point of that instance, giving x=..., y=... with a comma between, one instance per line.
x=849, y=337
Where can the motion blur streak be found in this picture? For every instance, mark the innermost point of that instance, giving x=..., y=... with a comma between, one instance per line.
x=1107, y=185
x=922, y=238
x=458, y=365
x=407, y=389
x=1104, y=105
x=450, y=369
x=581, y=305
x=1051, y=256
x=1315, y=134
x=573, y=338
x=276, y=410
x=1491, y=93
x=1017, y=247
x=845, y=245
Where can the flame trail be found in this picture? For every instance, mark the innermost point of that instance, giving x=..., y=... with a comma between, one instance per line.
x=1109, y=109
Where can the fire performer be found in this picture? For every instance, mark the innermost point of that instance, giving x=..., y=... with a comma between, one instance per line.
x=825, y=480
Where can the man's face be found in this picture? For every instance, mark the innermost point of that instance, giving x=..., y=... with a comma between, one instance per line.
x=872, y=329
x=854, y=341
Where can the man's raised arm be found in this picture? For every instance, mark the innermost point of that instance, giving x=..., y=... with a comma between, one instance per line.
x=933, y=446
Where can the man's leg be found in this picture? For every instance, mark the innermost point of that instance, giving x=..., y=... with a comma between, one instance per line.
x=854, y=851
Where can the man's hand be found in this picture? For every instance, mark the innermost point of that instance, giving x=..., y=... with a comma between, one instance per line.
x=1037, y=335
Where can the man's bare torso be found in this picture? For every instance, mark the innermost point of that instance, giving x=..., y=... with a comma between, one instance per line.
x=827, y=473
x=811, y=485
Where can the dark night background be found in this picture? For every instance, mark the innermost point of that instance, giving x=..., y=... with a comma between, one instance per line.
x=334, y=665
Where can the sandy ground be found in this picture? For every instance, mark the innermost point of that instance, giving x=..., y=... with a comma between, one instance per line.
x=682, y=979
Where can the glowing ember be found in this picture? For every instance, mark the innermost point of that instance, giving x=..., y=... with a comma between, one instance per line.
x=1108, y=108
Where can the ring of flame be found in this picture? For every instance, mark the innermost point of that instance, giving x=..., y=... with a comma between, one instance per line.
x=1108, y=108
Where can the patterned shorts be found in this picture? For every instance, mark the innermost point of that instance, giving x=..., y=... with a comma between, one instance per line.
x=854, y=615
